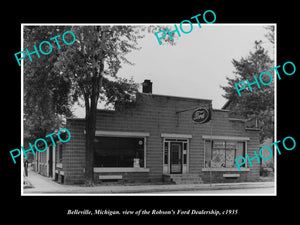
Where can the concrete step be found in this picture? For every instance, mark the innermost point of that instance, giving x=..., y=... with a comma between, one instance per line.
x=186, y=178
x=184, y=175
x=188, y=182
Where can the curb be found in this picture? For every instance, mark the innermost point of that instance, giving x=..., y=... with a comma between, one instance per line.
x=153, y=189
x=194, y=188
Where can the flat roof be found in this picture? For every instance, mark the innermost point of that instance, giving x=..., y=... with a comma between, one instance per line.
x=172, y=96
x=156, y=95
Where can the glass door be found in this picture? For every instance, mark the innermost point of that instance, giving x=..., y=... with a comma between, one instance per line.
x=176, y=157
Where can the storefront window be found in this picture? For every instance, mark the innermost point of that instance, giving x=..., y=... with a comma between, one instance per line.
x=221, y=154
x=119, y=152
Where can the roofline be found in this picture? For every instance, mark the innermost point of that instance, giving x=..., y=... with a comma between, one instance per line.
x=221, y=110
x=226, y=104
x=252, y=129
x=73, y=118
x=172, y=96
x=106, y=110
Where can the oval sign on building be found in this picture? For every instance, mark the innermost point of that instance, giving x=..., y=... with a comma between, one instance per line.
x=201, y=115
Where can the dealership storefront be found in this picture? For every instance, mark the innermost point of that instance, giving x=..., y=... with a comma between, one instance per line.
x=162, y=138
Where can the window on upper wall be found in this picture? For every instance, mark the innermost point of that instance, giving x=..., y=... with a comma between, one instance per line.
x=221, y=153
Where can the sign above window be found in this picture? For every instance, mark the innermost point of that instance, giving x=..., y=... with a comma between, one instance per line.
x=219, y=144
x=201, y=114
x=230, y=145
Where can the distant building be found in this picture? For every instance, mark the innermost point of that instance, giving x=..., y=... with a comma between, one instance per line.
x=47, y=163
x=266, y=153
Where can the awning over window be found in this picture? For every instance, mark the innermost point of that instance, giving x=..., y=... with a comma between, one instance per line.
x=168, y=135
x=233, y=138
x=105, y=133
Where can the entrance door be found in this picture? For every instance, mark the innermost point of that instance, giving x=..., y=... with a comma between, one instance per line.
x=176, y=157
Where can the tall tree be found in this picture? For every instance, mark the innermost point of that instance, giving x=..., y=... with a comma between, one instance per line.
x=258, y=104
x=92, y=64
x=271, y=34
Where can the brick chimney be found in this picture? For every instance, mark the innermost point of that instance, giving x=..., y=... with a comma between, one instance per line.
x=147, y=86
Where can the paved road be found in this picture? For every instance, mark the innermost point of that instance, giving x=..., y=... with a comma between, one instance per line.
x=263, y=191
x=40, y=184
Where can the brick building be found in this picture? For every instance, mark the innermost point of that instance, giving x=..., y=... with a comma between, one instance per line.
x=156, y=139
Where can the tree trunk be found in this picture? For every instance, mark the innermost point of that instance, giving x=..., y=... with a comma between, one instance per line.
x=90, y=136
x=90, y=127
x=88, y=152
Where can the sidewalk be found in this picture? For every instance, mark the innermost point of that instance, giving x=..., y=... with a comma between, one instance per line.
x=40, y=184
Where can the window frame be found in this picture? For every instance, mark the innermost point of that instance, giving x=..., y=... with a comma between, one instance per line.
x=185, y=153
x=132, y=167
x=225, y=139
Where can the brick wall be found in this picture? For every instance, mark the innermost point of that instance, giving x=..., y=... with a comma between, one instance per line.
x=128, y=177
x=74, y=153
x=156, y=114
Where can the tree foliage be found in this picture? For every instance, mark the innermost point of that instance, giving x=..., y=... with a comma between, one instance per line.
x=258, y=104
x=46, y=94
x=270, y=35
x=96, y=57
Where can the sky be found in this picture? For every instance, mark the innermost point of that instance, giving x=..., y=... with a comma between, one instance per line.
x=197, y=65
